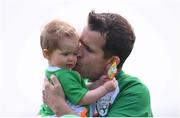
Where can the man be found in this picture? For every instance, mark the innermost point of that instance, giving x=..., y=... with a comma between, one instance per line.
x=107, y=37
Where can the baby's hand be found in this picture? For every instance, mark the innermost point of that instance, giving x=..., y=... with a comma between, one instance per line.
x=102, y=80
x=110, y=85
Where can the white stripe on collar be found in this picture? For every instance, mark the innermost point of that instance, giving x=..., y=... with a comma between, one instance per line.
x=53, y=68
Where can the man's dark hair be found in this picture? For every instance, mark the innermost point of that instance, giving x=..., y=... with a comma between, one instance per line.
x=117, y=32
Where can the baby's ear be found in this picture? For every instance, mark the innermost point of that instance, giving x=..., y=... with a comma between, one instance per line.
x=46, y=53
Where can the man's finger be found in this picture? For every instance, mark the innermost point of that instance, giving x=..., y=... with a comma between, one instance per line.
x=45, y=82
x=57, y=86
x=54, y=80
x=44, y=96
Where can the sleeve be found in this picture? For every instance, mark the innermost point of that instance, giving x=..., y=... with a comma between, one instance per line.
x=134, y=101
x=73, y=86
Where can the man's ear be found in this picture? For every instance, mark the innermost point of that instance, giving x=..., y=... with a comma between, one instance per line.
x=46, y=53
x=111, y=61
x=117, y=59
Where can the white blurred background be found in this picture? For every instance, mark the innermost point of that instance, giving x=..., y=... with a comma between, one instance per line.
x=155, y=58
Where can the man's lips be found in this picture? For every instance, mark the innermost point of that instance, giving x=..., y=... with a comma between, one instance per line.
x=78, y=65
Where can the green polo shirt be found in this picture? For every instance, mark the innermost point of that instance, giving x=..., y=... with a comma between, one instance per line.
x=74, y=88
x=133, y=99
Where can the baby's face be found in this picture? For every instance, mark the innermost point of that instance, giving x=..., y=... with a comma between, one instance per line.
x=66, y=55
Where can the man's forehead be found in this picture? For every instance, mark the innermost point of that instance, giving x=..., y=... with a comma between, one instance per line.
x=91, y=35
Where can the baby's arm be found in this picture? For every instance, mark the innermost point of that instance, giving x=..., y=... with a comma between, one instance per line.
x=97, y=83
x=93, y=95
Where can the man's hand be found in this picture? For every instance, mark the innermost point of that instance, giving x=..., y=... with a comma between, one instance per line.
x=53, y=89
x=53, y=96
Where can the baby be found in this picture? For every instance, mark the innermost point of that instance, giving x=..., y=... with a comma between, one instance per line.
x=59, y=43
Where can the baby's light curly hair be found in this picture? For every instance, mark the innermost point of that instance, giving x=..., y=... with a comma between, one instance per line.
x=53, y=32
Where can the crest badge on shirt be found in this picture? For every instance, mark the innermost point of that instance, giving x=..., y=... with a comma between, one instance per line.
x=104, y=103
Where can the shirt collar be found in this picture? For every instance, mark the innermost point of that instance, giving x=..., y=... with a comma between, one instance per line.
x=120, y=74
x=53, y=68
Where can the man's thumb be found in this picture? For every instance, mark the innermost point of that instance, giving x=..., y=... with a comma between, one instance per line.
x=54, y=80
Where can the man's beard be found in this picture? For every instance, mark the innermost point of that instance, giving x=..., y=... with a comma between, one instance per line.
x=87, y=72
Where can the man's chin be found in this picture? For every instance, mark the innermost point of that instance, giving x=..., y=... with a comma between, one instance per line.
x=80, y=70
x=76, y=68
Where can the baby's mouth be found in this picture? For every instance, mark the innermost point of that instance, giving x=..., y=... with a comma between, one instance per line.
x=70, y=65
